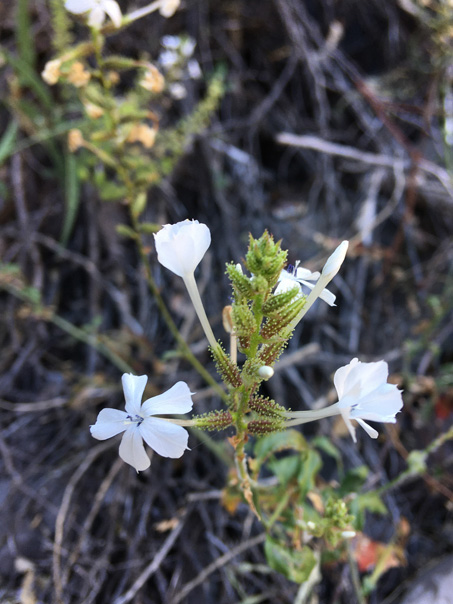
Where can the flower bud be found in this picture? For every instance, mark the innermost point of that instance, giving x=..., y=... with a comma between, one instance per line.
x=265, y=372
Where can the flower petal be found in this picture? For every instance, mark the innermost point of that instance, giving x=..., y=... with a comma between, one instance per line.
x=132, y=450
x=96, y=17
x=341, y=375
x=109, y=423
x=368, y=429
x=133, y=386
x=367, y=376
x=113, y=10
x=176, y=400
x=79, y=7
x=181, y=246
x=167, y=439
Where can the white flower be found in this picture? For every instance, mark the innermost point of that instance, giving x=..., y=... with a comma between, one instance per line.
x=139, y=423
x=302, y=276
x=169, y=7
x=181, y=246
x=97, y=10
x=364, y=394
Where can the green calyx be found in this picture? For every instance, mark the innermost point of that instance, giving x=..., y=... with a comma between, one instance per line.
x=265, y=258
x=214, y=420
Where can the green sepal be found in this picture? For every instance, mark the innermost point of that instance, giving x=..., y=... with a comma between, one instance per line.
x=265, y=258
x=266, y=407
x=228, y=370
x=276, y=303
x=214, y=420
x=261, y=427
x=278, y=321
x=242, y=286
x=243, y=320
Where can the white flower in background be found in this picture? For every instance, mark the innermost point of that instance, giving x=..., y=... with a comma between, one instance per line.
x=97, y=11
x=180, y=248
x=364, y=394
x=169, y=7
x=302, y=276
x=139, y=423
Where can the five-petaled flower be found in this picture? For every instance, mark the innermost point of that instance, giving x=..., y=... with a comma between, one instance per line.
x=364, y=394
x=97, y=10
x=139, y=423
x=302, y=276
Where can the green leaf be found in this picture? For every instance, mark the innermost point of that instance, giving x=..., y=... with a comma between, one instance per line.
x=8, y=140
x=279, y=441
x=24, y=35
x=366, y=502
x=295, y=565
x=353, y=481
x=285, y=469
x=72, y=197
x=326, y=445
x=311, y=464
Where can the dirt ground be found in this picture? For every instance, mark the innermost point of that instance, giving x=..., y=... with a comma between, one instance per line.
x=333, y=125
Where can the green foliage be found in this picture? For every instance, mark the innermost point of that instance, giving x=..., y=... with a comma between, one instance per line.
x=295, y=565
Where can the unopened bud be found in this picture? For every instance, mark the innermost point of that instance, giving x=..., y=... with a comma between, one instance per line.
x=348, y=534
x=265, y=372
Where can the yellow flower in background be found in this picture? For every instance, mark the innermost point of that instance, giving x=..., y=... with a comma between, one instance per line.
x=78, y=75
x=51, y=72
x=152, y=79
x=141, y=133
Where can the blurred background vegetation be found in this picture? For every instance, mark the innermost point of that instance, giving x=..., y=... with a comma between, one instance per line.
x=317, y=120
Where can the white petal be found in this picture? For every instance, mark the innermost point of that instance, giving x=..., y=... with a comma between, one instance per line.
x=304, y=273
x=132, y=450
x=133, y=386
x=97, y=17
x=368, y=376
x=341, y=375
x=113, y=10
x=109, y=423
x=79, y=6
x=325, y=295
x=167, y=439
x=181, y=246
x=368, y=429
x=381, y=405
x=347, y=421
x=334, y=262
x=169, y=7
x=176, y=400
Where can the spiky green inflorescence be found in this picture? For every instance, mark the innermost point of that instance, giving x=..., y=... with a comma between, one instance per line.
x=265, y=258
x=244, y=324
x=278, y=302
x=260, y=427
x=279, y=320
x=214, y=420
x=270, y=353
x=228, y=370
x=266, y=407
x=242, y=286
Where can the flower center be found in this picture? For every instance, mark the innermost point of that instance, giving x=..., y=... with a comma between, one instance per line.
x=136, y=419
